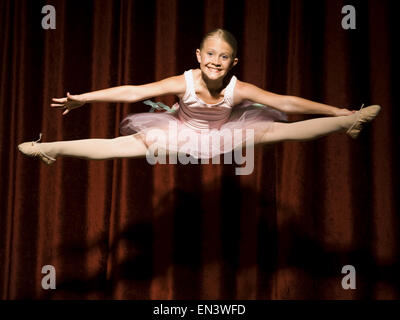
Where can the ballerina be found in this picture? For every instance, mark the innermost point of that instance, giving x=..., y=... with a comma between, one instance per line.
x=212, y=107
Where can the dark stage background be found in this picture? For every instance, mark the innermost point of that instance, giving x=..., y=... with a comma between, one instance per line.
x=123, y=229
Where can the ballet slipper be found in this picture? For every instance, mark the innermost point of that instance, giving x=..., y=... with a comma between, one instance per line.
x=363, y=116
x=32, y=149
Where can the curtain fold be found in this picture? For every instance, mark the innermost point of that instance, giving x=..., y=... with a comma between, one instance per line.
x=125, y=229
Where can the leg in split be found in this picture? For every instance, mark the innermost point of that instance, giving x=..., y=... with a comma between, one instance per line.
x=131, y=146
x=305, y=130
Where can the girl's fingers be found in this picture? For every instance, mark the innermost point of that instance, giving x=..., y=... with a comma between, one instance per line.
x=61, y=100
x=57, y=105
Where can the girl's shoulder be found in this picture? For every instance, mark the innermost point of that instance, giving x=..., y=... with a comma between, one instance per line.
x=177, y=84
x=240, y=87
x=243, y=87
x=243, y=91
x=196, y=73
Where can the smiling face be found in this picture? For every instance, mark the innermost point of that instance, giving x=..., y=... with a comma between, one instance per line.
x=215, y=58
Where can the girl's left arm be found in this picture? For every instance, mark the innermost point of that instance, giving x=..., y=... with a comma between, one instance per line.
x=287, y=104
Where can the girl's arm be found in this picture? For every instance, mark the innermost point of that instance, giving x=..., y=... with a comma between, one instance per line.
x=287, y=104
x=126, y=94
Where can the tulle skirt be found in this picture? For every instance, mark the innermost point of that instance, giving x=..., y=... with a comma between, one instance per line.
x=165, y=130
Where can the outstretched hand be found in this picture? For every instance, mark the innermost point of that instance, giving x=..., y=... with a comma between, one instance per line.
x=68, y=103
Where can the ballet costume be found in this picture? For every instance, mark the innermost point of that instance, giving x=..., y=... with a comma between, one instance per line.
x=200, y=129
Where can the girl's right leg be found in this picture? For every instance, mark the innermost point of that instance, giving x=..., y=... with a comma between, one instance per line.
x=131, y=146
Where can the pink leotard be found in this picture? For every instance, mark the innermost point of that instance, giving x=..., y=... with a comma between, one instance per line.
x=200, y=129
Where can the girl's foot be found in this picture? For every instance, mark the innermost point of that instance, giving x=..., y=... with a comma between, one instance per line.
x=33, y=149
x=363, y=116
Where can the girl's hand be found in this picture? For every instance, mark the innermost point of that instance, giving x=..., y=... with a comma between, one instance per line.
x=68, y=103
x=344, y=112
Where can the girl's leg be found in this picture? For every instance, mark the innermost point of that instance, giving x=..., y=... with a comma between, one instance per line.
x=98, y=149
x=306, y=130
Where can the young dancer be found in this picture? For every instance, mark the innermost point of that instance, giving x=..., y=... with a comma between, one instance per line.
x=212, y=107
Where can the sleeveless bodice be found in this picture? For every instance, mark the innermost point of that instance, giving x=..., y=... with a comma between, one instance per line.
x=197, y=114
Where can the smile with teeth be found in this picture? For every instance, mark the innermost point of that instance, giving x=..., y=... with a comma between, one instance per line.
x=214, y=69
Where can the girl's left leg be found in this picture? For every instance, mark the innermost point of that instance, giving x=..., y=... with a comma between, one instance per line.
x=306, y=130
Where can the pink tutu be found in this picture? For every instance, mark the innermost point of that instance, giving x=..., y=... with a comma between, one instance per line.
x=167, y=130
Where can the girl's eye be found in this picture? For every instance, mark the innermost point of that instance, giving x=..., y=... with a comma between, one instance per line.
x=209, y=53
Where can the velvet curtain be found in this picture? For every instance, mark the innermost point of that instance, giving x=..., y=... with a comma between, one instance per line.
x=125, y=229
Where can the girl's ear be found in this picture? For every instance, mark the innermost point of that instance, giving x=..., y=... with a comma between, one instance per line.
x=198, y=55
x=234, y=62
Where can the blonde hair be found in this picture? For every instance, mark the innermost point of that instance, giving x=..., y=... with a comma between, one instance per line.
x=224, y=35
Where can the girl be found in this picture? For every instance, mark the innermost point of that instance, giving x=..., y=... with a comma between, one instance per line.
x=212, y=105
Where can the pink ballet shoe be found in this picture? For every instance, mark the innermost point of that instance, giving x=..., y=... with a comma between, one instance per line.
x=363, y=116
x=32, y=149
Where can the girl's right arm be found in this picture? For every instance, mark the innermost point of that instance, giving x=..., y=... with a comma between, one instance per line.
x=126, y=94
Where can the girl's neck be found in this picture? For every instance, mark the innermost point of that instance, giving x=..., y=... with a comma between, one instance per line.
x=212, y=85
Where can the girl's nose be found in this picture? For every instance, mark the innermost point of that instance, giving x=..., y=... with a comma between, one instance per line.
x=216, y=61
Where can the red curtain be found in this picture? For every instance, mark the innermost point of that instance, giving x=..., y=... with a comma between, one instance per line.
x=124, y=229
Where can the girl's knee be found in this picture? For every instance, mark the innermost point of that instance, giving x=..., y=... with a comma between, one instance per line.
x=272, y=133
x=128, y=142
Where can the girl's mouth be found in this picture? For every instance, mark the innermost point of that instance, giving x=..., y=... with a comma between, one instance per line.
x=214, y=70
